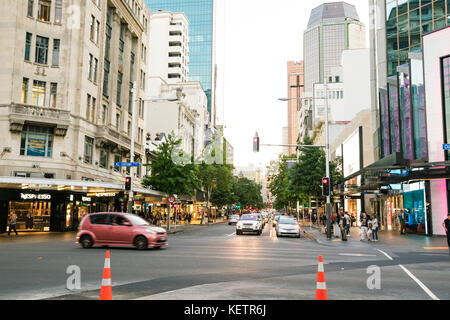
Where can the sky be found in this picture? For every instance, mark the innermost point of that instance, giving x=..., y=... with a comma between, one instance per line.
x=255, y=39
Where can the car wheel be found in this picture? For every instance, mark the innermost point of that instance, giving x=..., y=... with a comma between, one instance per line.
x=86, y=241
x=229, y=223
x=238, y=232
x=141, y=243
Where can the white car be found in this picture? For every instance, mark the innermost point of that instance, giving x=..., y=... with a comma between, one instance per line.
x=234, y=219
x=288, y=227
x=249, y=223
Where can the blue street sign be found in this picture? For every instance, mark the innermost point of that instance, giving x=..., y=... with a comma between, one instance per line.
x=126, y=164
x=446, y=147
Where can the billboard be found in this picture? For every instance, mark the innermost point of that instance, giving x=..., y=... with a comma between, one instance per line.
x=352, y=153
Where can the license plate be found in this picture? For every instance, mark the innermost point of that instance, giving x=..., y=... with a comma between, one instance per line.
x=162, y=239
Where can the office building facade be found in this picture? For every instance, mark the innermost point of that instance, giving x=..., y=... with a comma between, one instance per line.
x=201, y=16
x=295, y=92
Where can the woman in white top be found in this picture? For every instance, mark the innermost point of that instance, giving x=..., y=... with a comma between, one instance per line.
x=375, y=229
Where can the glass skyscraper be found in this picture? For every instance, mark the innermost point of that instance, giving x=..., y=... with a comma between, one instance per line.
x=406, y=22
x=201, y=35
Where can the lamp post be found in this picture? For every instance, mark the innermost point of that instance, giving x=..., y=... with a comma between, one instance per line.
x=327, y=151
x=133, y=130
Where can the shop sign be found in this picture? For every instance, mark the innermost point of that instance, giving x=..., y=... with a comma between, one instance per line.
x=86, y=199
x=31, y=196
x=102, y=195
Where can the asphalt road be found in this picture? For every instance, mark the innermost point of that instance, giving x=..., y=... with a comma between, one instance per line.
x=214, y=263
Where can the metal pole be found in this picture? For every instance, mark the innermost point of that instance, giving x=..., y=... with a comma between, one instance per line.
x=327, y=152
x=133, y=129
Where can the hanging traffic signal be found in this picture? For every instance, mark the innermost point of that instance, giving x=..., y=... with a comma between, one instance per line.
x=128, y=183
x=326, y=188
x=256, y=143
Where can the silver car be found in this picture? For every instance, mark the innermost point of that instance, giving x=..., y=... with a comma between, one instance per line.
x=234, y=219
x=288, y=227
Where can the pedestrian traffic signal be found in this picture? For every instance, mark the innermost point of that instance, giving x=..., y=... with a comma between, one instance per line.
x=256, y=143
x=128, y=183
x=326, y=188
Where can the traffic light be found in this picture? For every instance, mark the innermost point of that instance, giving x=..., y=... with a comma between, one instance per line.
x=326, y=188
x=128, y=183
x=256, y=143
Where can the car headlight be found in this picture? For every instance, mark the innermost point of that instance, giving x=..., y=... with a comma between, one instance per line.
x=150, y=230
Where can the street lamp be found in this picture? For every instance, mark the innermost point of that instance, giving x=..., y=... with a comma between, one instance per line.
x=133, y=130
x=327, y=150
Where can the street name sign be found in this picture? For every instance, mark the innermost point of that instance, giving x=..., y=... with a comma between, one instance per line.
x=126, y=164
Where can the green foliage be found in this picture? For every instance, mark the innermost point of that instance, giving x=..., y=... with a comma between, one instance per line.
x=305, y=177
x=279, y=182
x=248, y=193
x=169, y=177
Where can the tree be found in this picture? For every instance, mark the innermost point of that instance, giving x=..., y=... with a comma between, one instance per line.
x=169, y=177
x=279, y=182
x=305, y=177
x=248, y=193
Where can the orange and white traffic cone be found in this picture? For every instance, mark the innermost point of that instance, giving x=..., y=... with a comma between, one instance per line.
x=321, y=290
x=106, y=290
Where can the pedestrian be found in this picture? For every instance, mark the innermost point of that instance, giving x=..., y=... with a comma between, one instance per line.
x=348, y=222
x=343, y=226
x=375, y=229
x=12, y=223
x=401, y=219
x=364, y=226
x=446, y=226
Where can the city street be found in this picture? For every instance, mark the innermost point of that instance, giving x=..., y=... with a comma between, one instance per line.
x=214, y=263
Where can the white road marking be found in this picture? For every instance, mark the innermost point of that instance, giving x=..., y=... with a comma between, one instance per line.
x=233, y=234
x=428, y=291
x=357, y=255
x=389, y=257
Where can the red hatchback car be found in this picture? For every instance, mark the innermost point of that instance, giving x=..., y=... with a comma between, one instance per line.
x=119, y=229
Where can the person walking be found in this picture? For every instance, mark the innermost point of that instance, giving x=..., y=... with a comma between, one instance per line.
x=343, y=226
x=364, y=226
x=12, y=223
x=446, y=225
x=348, y=221
x=401, y=219
x=375, y=229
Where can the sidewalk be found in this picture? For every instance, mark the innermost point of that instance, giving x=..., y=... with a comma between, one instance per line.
x=391, y=239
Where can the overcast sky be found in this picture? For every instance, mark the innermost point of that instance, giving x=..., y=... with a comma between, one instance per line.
x=255, y=39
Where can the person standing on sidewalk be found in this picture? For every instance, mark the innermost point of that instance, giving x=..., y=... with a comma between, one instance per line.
x=375, y=229
x=348, y=221
x=343, y=226
x=401, y=219
x=364, y=225
x=12, y=223
x=446, y=226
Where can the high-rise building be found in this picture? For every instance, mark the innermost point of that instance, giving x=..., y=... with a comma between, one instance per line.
x=332, y=28
x=169, y=46
x=406, y=24
x=295, y=91
x=200, y=14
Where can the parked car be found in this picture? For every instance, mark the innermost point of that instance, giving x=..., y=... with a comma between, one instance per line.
x=249, y=223
x=234, y=219
x=119, y=229
x=288, y=226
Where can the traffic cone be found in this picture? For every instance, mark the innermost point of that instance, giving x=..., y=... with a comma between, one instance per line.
x=106, y=290
x=321, y=290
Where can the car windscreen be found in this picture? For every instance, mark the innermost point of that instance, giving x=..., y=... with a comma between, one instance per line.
x=249, y=218
x=288, y=221
x=235, y=217
x=137, y=220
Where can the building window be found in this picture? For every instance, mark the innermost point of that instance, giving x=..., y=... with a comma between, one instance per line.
x=119, y=89
x=118, y=121
x=446, y=86
x=56, y=45
x=88, y=107
x=130, y=99
x=94, y=76
x=104, y=114
x=94, y=29
x=129, y=128
x=41, y=50
x=36, y=141
x=30, y=8
x=90, y=63
x=53, y=94
x=44, y=10
x=104, y=158
x=106, y=79
x=117, y=158
x=28, y=46
x=88, y=149
x=25, y=90
x=58, y=11
x=38, y=93
x=142, y=80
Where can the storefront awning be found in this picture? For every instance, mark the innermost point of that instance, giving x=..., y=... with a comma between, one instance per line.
x=69, y=185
